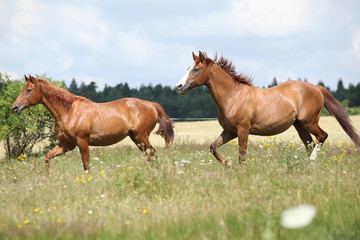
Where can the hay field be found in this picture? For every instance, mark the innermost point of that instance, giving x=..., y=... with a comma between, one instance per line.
x=205, y=132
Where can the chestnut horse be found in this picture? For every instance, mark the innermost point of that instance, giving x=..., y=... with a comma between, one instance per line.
x=244, y=109
x=81, y=122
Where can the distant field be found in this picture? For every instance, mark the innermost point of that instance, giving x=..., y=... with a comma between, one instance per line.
x=205, y=132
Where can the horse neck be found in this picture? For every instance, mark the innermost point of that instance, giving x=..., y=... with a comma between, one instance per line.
x=222, y=87
x=58, y=101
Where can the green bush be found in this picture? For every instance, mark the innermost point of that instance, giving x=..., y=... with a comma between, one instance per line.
x=20, y=133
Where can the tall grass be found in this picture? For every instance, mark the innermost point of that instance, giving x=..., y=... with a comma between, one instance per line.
x=184, y=194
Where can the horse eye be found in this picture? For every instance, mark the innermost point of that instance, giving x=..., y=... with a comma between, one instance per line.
x=196, y=69
x=29, y=90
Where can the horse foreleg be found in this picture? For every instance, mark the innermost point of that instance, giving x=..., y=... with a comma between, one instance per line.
x=83, y=145
x=58, y=150
x=224, y=137
x=243, y=136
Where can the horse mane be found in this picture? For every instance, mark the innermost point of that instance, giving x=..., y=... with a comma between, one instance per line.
x=60, y=95
x=229, y=68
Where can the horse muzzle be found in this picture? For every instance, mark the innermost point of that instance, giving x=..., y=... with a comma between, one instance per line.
x=17, y=109
x=182, y=89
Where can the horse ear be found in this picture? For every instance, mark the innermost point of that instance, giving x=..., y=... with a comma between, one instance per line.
x=26, y=79
x=32, y=79
x=195, y=57
x=201, y=56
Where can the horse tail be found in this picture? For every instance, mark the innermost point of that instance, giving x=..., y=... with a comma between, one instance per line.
x=166, y=126
x=336, y=110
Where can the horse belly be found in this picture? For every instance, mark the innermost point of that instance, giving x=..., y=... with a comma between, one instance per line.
x=107, y=139
x=271, y=128
x=106, y=132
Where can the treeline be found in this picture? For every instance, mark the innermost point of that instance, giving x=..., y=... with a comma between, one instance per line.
x=197, y=103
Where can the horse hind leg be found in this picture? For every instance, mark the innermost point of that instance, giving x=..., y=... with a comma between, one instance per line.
x=320, y=135
x=143, y=143
x=304, y=135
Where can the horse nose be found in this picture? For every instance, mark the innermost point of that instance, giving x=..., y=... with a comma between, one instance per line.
x=178, y=85
x=14, y=109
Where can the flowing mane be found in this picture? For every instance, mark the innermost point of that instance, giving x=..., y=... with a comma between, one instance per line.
x=228, y=67
x=59, y=95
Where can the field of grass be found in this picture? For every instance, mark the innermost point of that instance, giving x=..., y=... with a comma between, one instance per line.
x=184, y=194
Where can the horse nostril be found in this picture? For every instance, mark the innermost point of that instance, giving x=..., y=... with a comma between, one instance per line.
x=14, y=109
x=179, y=86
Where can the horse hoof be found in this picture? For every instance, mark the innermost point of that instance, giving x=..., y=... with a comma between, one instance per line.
x=228, y=163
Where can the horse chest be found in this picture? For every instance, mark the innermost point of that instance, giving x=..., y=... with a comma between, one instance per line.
x=227, y=124
x=64, y=134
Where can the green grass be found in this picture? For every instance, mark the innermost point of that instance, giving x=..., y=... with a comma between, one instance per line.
x=184, y=194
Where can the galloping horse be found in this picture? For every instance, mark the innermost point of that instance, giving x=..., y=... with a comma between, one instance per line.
x=245, y=109
x=81, y=122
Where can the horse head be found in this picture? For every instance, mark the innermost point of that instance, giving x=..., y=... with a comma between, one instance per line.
x=30, y=95
x=197, y=74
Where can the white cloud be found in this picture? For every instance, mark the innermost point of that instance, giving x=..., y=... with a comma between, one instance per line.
x=356, y=43
x=84, y=26
x=28, y=17
x=264, y=18
x=136, y=49
x=12, y=74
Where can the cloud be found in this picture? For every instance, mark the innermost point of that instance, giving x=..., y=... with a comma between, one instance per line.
x=84, y=26
x=137, y=49
x=12, y=74
x=264, y=18
x=28, y=17
x=356, y=43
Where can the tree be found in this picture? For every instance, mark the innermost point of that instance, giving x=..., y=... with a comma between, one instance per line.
x=21, y=132
x=274, y=83
x=340, y=93
x=74, y=87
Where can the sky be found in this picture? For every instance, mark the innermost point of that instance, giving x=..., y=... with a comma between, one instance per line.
x=151, y=42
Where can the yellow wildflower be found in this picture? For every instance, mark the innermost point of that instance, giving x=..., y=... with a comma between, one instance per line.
x=36, y=210
x=19, y=226
x=26, y=221
x=144, y=211
x=54, y=207
x=58, y=220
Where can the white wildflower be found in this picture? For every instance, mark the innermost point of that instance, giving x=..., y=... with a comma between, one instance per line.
x=297, y=217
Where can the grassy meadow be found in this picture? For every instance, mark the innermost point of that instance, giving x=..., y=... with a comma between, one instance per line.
x=184, y=194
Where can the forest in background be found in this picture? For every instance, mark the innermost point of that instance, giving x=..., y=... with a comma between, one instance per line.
x=197, y=103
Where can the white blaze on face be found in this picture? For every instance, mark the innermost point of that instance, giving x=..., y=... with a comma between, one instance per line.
x=185, y=77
